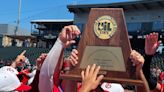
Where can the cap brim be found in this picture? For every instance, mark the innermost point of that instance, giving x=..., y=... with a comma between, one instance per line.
x=23, y=87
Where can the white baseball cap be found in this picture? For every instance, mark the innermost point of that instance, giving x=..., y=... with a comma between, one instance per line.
x=9, y=69
x=112, y=87
x=10, y=82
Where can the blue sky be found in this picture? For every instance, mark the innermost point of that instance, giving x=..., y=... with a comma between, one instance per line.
x=40, y=9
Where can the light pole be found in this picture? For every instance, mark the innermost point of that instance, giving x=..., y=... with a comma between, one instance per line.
x=18, y=20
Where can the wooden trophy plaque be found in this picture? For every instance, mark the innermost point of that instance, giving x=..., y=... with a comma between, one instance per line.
x=105, y=42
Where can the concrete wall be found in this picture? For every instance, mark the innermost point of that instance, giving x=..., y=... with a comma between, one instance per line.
x=7, y=29
x=81, y=17
x=1, y=37
x=3, y=28
x=11, y=29
x=145, y=15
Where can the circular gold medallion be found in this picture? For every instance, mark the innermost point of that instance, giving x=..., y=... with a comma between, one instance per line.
x=104, y=27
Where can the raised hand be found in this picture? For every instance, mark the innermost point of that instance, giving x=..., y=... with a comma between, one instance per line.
x=90, y=81
x=137, y=59
x=40, y=60
x=20, y=59
x=68, y=34
x=151, y=43
x=73, y=58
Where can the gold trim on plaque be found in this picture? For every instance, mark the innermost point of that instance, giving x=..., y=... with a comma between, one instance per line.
x=105, y=27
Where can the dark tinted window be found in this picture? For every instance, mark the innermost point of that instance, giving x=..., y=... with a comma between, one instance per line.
x=134, y=26
x=157, y=25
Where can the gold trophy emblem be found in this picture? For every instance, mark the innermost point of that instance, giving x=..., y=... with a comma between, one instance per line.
x=105, y=27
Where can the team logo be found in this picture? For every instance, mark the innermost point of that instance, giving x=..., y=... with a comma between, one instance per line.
x=105, y=27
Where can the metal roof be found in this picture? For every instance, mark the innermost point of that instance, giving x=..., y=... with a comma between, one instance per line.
x=51, y=20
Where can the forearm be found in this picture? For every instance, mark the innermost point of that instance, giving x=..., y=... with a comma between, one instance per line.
x=33, y=73
x=145, y=83
x=146, y=65
x=49, y=65
x=52, y=58
x=35, y=82
x=152, y=81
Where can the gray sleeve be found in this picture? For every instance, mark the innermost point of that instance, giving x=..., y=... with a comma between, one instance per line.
x=48, y=67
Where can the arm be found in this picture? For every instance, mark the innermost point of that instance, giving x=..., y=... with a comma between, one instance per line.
x=35, y=82
x=19, y=60
x=69, y=63
x=151, y=45
x=152, y=81
x=138, y=60
x=31, y=74
x=47, y=69
x=50, y=64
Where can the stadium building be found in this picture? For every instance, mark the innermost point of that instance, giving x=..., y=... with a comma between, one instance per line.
x=43, y=35
x=46, y=31
x=142, y=17
x=13, y=41
x=10, y=36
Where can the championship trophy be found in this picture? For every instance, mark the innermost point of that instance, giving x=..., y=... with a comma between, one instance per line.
x=105, y=42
